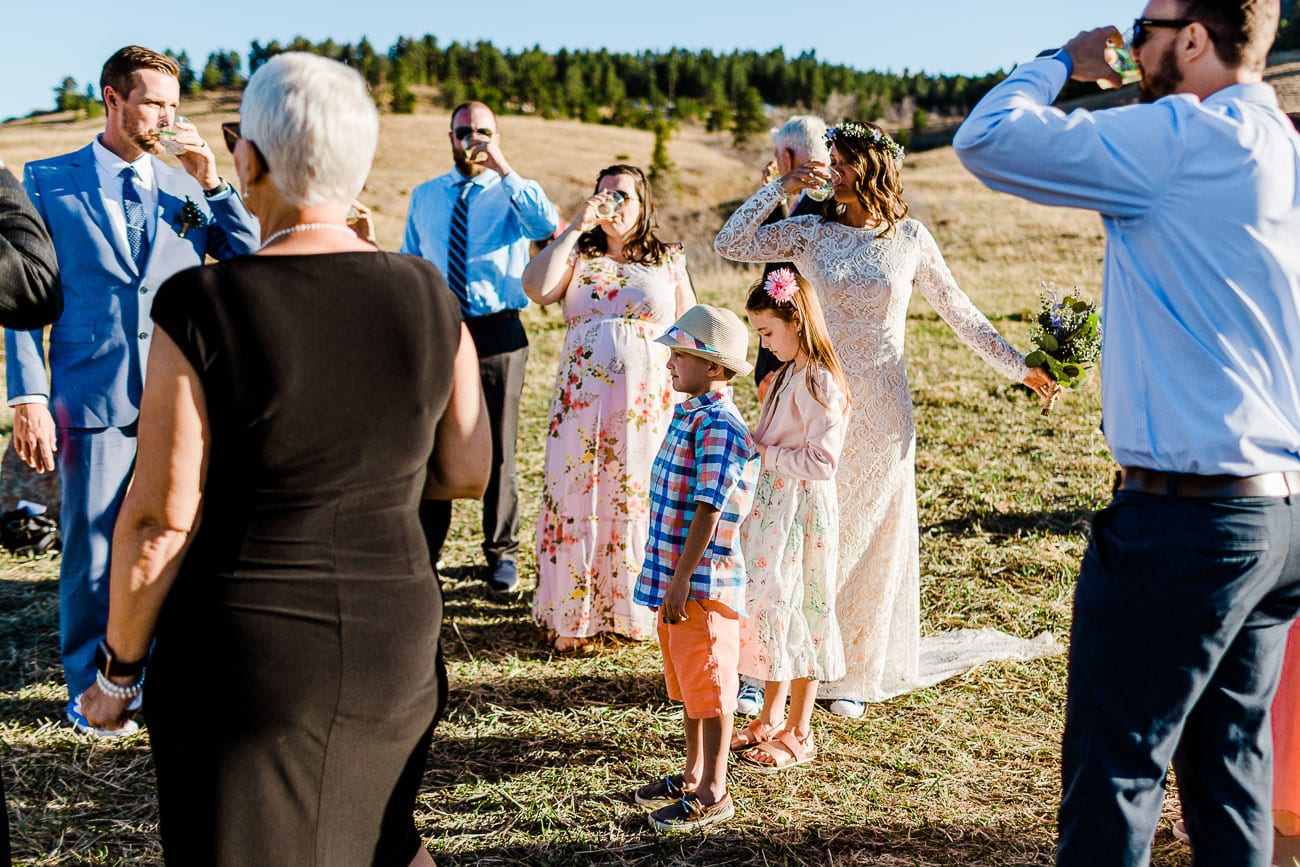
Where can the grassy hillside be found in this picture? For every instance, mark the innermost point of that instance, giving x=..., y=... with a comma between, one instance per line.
x=537, y=757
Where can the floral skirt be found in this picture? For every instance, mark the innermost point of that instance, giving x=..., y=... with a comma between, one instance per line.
x=791, y=547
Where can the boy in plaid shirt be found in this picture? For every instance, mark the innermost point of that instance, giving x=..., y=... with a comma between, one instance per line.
x=701, y=486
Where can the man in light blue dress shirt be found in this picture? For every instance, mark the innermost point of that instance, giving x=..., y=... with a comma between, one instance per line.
x=1192, y=576
x=482, y=251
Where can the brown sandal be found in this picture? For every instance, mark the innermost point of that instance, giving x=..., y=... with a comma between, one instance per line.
x=779, y=753
x=752, y=735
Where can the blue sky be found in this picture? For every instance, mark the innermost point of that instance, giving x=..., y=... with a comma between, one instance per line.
x=44, y=41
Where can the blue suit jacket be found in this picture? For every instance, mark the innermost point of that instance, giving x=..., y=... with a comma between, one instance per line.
x=99, y=343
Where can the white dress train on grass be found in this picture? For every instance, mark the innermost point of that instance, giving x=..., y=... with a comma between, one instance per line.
x=864, y=282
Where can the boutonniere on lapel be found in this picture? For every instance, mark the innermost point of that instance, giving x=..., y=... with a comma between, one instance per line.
x=190, y=216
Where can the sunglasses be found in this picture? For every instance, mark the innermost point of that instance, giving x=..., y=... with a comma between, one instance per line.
x=1142, y=27
x=230, y=132
x=466, y=131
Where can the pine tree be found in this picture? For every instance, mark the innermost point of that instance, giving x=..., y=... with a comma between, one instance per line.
x=402, y=100
x=751, y=116
x=661, y=167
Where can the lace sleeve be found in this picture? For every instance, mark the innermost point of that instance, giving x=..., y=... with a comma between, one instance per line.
x=940, y=288
x=744, y=238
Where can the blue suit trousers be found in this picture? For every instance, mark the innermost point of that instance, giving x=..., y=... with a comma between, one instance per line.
x=95, y=466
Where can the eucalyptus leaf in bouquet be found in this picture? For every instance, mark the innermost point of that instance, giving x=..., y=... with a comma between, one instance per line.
x=1068, y=337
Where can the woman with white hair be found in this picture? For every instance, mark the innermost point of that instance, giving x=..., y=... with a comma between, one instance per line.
x=298, y=403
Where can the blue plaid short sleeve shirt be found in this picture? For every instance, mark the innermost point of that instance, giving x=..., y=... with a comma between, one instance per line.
x=707, y=457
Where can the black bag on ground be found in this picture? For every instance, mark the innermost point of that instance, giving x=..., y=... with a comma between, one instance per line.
x=25, y=533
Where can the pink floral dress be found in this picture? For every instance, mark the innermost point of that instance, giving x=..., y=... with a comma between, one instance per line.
x=612, y=404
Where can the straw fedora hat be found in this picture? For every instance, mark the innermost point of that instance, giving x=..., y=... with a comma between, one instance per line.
x=714, y=333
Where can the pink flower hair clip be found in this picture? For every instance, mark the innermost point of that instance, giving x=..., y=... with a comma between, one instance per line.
x=781, y=286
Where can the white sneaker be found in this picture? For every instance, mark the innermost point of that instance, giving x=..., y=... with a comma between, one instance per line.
x=749, y=700
x=847, y=707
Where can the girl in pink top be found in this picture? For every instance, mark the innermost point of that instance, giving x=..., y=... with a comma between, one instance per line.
x=790, y=637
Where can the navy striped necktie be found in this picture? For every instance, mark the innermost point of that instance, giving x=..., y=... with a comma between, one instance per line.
x=458, y=241
x=137, y=234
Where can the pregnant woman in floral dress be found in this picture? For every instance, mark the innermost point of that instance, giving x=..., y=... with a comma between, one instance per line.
x=620, y=287
x=864, y=257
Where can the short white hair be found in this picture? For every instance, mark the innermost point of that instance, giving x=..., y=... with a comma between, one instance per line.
x=805, y=134
x=314, y=122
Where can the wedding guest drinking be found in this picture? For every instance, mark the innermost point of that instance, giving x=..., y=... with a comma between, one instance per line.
x=694, y=572
x=122, y=220
x=789, y=637
x=301, y=395
x=475, y=223
x=801, y=139
x=620, y=287
x=1192, y=574
x=863, y=256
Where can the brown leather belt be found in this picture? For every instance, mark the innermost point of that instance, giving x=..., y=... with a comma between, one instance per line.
x=1143, y=481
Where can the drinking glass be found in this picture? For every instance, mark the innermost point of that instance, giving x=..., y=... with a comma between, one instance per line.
x=468, y=143
x=167, y=137
x=825, y=191
x=607, y=208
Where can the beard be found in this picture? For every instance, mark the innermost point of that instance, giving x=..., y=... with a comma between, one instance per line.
x=145, y=140
x=1161, y=81
x=466, y=168
x=148, y=142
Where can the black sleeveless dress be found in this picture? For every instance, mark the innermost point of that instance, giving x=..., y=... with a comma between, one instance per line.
x=295, y=678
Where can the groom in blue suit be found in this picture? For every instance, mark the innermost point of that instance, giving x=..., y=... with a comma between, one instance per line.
x=122, y=221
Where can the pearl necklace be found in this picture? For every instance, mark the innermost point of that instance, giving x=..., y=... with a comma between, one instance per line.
x=304, y=227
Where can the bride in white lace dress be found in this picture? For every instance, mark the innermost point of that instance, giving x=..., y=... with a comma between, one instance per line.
x=864, y=263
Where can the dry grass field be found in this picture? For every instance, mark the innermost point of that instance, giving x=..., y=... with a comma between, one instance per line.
x=537, y=757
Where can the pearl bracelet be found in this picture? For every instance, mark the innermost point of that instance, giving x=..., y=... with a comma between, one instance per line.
x=122, y=693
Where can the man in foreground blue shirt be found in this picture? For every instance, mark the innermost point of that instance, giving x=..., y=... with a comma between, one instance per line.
x=1192, y=575
x=474, y=223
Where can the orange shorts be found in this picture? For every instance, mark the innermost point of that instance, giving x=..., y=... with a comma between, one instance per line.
x=701, y=655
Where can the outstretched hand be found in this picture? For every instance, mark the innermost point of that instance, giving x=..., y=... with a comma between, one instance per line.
x=1047, y=389
x=1088, y=51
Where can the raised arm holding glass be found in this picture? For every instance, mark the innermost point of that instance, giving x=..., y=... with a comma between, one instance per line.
x=620, y=287
x=864, y=256
x=1192, y=574
x=123, y=221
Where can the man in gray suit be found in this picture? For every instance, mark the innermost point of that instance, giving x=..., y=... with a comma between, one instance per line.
x=29, y=275
x=122, y=221
x=29, y=298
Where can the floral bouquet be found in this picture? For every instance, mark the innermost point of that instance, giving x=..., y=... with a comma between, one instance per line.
x=1068, y=338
